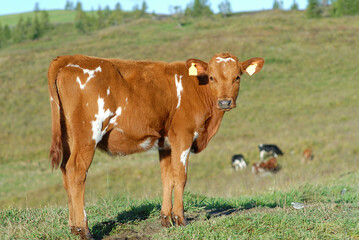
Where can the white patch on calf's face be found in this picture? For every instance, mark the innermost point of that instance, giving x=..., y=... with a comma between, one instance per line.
x=179, y=89
x=91, y=74
x=219, y=59
x=51, y=99
x=100, y=117
x=184, y=157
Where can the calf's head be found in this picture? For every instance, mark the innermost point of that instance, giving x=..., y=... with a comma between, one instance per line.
x=223, y=73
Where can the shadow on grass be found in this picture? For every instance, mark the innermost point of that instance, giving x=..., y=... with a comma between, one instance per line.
x=197, y=208
x=137, y=213
x=217, y=207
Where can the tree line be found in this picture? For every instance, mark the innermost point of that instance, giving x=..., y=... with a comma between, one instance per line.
x=332, y=8
x=36, y=27
x=26, y=28
x=324, y=8
x=86, y=21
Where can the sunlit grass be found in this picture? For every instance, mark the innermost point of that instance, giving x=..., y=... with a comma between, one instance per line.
x=305, y=96
x=328, y=214
x=56, y=16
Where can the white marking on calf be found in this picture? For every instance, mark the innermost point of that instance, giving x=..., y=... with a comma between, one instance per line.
x=225, y=59
x=118, y=113
x=184, y=156
x=145, y=144
x=195, y=136
x=51, y=99
x=179, y=89
x=100, y=117
x=91, y=74
x=108, y=91
x=120, y=130
x=85, y=216
x=166, y=143
x=155, y=144
x=82, y=86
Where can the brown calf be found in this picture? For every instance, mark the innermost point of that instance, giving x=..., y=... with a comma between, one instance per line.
x=125, y=107
x=268, y=166
x=307, y=155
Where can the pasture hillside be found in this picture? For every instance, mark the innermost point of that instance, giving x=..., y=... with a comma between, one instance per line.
x=329, y=214
x=305, y=96
x=55, y=16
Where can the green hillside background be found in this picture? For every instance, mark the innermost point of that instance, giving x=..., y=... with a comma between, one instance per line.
x=305, y=96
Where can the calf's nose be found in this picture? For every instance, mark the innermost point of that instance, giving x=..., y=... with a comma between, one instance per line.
x=224, y=103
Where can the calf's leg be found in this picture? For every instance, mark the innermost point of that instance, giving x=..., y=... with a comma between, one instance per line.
x=167, y=184
x=75, y=177
x=179, y=165
x=66, y=155
x=71, y=211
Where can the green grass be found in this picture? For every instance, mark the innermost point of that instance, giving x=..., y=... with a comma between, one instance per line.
x=328, y=215
x=305, y=96
x=56, y=16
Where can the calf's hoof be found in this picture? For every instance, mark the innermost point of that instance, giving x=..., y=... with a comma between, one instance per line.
x=84, y=233
x=179, y=221
x=166, y=221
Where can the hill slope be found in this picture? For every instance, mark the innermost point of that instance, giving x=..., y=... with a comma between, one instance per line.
x=327, y=215
x=56, y=16
x=305, y=96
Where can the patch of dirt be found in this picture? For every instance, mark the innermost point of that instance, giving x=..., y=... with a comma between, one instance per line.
x=145, y=229
x=141, y=231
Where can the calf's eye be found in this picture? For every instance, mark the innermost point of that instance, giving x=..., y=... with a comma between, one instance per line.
x=211, y=78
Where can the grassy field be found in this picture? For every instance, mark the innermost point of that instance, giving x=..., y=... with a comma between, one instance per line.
x=305, y=96
x=328, y=214
x=56, y=16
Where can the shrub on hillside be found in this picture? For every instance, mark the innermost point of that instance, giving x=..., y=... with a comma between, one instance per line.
x=198, y=8
x=225, y=8
x=313, y=9
x=294, y=6
x=344, y=7
x=277, y=5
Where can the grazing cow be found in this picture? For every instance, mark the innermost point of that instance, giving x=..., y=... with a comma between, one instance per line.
x=307, y=155
x=125, y=107
x=268, y=166
x=238, y=162
x=269, y=150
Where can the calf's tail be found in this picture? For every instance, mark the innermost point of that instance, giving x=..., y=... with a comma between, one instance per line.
x=56, y=149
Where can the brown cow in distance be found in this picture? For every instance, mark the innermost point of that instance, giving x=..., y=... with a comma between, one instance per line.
x=270, y=165
x=125, y=107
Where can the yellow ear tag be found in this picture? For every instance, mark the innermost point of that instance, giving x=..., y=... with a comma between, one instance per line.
x=251, y=69
x=193, y=70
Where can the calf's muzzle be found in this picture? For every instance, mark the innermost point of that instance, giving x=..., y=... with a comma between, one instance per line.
x=224, y=103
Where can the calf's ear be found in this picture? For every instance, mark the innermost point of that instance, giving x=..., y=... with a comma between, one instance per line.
x=196, y=67
x=252, y=66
